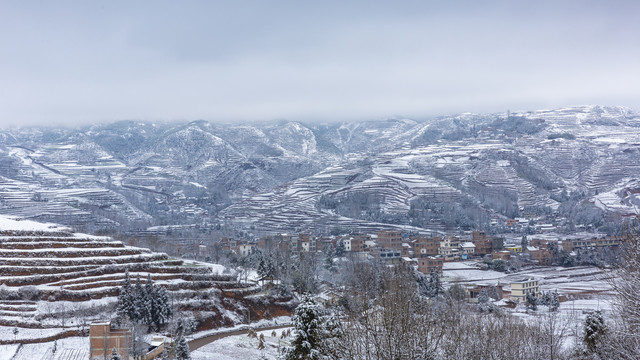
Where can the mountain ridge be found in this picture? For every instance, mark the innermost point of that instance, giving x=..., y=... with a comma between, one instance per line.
x=135, y=175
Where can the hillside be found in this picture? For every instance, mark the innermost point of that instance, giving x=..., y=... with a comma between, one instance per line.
x=441, y=174
x=54, y=282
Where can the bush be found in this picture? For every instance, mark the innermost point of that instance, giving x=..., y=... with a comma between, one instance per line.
x=29, y=292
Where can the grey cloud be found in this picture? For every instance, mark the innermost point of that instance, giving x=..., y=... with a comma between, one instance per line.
x=79, y=62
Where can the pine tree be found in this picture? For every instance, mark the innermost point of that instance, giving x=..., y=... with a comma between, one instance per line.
x=161, y=307
x=532, y=301
x=181, y=346
x=262, y=268
x=139, y=302
x=340, y=249
x=594, y=330
x=126, y=306
x=484, y=302
x=554, y=301
x=115, y=355
x=307, y=341
x=434, y=287
x=148, y=303
x=271, y=267
x=328, y=260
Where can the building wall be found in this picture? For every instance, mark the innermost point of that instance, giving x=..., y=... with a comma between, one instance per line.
x=426, y=264
x=519, y=290
x=102, y=340
x=390, y=239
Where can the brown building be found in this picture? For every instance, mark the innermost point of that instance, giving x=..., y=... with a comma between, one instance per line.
x=494, y=291
x=541, y=255
x=358, y=242
x=424, y=246
x=390, y=239
x=501, y=255
x=103, y=339
x=425, y=264
x=389, y=257
x=483, y=243
x=609, y=241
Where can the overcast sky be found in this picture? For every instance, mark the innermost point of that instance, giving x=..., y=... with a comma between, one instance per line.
x=73, y=62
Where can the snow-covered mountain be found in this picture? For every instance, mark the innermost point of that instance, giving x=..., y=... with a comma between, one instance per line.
x=450, y=172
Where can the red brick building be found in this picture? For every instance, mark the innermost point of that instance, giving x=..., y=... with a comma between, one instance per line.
x=390, y=239
x=425, y=264
x=424, y=246
x=103, y=339
x=483, y=243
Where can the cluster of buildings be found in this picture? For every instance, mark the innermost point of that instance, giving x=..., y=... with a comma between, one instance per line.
x=428, y=252
x=391, y=246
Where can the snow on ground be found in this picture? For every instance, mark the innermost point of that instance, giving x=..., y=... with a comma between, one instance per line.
x=572, y=280
x=9, y=223
x=280, y=320
x=467, y=272
x=69, y=348
x=7, y=351
x=240, y=347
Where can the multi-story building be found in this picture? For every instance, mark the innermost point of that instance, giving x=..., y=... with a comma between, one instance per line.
x=520, y=289
x=103, y=339
x=425, y=264
x=389, y=257
x=390, y=239
x=468, y=248
x=423, y=246
x=358, y=242
x=483, y=243
x=449, y=246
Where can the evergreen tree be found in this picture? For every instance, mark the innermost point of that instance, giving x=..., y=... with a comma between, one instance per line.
x=148, y=303
x=181, y=346
x=328, y=260
x=139, y=302
x=484, y=302
x=161, y=308
x=271, y=267
x=262, y=268
x=126, y=306
x=554, y=301
x=307, y=341
x=532, y=301
x=435, y=287
x=594, y=330
x=115, y=355
x=340, y=249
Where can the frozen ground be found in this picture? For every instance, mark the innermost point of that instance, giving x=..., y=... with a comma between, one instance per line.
x=586, y=287
x=242, y=347
x=66, y=349
x=574, y=281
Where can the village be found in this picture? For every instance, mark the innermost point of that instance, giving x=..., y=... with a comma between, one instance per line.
x=440, y=253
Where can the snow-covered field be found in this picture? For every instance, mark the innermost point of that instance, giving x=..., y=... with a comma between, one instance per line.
x=69, y=348
x=586, y=287
x=578, y=280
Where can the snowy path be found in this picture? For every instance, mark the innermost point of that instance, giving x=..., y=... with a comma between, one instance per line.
x=198, y=343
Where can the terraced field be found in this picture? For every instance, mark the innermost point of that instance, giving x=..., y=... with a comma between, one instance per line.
x=58, y=281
